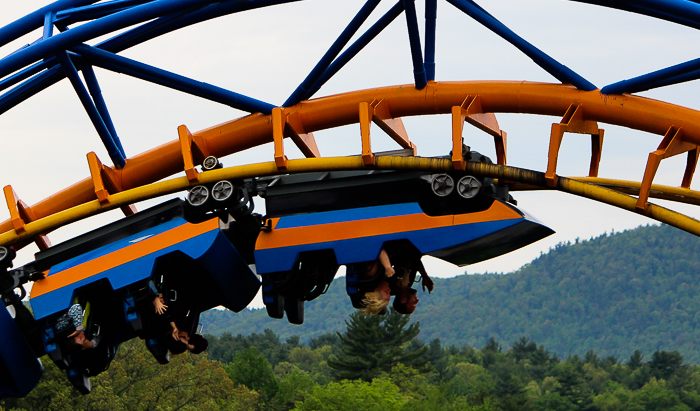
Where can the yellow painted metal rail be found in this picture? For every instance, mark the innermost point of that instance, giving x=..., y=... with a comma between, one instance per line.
x=582, y=187
x=468, y=102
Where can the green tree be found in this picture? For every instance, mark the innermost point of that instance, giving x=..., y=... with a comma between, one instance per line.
x=135, y=381
x=654, y=396
x=251, y=369
x=664, y=364
x=635, y=360
x=379, y=395
x=373, y=344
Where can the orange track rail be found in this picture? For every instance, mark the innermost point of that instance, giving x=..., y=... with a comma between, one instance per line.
x=437, y=98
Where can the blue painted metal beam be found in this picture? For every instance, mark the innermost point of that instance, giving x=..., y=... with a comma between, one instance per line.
x=416, y=49
x=165, y=78
x=87, y=31
x=358, y=45
x=30, y=87
x=660, y=12
x=34, y=20
x=430, y=29
x=693, y=75
x=553, y=67
x=688, y=9
x=132, y=38
x=303, y=89
x=26, y=73
x=72, y=74
x=74, y=15
x=96, y=93
x=176, y=21
x=48, y=24
x=671, y=75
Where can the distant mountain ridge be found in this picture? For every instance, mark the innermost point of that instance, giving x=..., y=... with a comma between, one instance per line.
x=639, y=289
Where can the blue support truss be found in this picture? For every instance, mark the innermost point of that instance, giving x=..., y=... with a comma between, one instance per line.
x=358, y=45
x=35, y=67
x=672, y=75
x=35, y=20
x=553, y=67
x=72, y=74
x=96, y=93
x=414, y=39
x=165, y=78
x=430, y=29
x=301, y=93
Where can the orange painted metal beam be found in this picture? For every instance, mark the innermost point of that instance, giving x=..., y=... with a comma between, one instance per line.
x=574, y=122
x=635, y=112
x=21, y=213
x=672, y=145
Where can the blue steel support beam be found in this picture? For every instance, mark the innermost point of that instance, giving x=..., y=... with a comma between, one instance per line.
x=133, y=37
x=430, y=29
x=48, y=24
x=94, y=115
x=34, y=20
x=175, y=21
x=96, y=93
x=30, y=87
x=165, y=78
x=26, y=73
x=303, y=89
x=688, y=9
x=693, y=75
x=84, y=13
x=414, y=39
x=358, y=45
x=658, y=11
x=87, y=31
x=553, y=67
x=648, y=81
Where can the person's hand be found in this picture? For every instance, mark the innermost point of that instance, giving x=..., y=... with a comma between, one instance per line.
x=389, y=271
x=159, y=305
x=426, y=282
x=176, y=332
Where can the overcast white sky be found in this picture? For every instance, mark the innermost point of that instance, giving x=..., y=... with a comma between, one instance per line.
x=266, y=53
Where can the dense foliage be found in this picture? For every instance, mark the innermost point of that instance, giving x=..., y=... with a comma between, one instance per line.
x=622, y=309
x=262, y=372
x=611, y=294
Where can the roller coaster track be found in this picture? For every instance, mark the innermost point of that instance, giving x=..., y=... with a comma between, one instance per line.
x=578, y=103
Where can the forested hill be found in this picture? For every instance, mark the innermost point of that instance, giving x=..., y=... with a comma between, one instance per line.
x=639, y=289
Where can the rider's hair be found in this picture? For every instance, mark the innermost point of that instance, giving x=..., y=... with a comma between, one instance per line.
x=374, y=303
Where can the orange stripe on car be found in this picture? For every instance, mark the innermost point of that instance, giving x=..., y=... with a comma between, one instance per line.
x=287, y=237
x=122, y=256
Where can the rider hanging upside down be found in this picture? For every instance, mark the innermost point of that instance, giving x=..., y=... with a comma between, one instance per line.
x=77, y=340
x=380, y=280
x=178, y=340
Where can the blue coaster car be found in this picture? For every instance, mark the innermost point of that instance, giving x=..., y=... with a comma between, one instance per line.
x=109, y=273
x=318, y=221
x=197, y=255
x=20, y=369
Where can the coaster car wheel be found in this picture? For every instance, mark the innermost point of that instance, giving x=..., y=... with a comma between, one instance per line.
x=468, y=187
x=442, y=185
x=222, y=191
x=198, y=196
x=211, y=163
x=7, y=254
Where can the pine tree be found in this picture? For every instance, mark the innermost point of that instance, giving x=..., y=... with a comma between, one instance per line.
x=373, y=344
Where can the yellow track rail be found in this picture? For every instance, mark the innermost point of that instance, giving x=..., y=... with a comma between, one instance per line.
x=585, y=187
x=387, y=103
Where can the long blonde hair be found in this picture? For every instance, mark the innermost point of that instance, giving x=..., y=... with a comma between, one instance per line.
x=374, y=303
